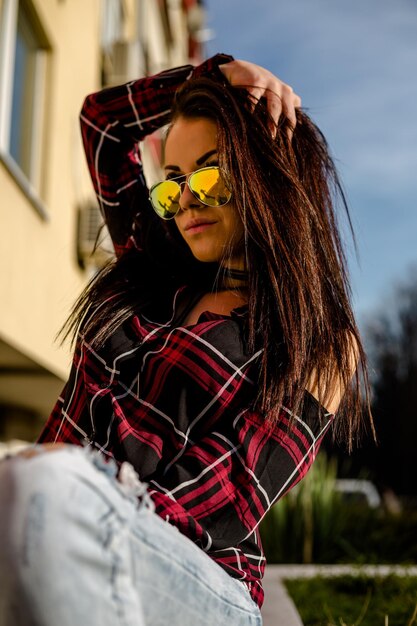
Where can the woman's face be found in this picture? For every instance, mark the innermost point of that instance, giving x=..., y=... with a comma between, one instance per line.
x=213, y=234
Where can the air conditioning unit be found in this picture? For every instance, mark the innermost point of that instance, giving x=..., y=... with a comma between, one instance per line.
x=125, y=62
x=94, y=245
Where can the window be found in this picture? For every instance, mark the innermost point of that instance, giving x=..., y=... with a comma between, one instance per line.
x=23, y=54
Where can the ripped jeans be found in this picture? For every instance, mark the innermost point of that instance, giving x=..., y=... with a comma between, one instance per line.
x=78, y=547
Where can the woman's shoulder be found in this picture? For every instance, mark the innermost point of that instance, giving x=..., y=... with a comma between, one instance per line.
x=331, y=388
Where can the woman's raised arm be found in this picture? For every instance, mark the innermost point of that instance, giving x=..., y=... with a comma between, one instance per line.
x=113, y=122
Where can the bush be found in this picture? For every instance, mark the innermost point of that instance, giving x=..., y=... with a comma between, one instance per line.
x=297, y=528
x=369, y=536
x=313, y=524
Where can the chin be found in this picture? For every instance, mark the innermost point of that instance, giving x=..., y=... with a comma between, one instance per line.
x=206, y=256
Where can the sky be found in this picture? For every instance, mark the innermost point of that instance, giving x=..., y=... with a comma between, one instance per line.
x=354, y=63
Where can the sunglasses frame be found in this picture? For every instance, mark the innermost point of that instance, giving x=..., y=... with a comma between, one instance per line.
x=186, y=180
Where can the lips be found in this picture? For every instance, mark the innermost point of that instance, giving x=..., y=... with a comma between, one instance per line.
x=198, y=224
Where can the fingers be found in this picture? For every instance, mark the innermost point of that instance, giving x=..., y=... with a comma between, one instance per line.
x=260, y=83
x=284, y=103
x=256, y=94
x=297, y=101
x=290, y=102
x=274, y=105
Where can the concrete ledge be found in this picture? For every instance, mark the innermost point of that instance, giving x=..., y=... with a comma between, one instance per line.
x=278, y=608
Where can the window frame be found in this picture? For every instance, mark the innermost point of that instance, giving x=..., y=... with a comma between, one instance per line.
x=33, y=184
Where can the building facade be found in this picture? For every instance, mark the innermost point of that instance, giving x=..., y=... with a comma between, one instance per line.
x=53, y=53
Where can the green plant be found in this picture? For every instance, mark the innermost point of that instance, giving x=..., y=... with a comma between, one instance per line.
x=313, y=523
x=300, y=524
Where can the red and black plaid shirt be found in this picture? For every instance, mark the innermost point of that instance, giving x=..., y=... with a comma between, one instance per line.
x=174, y=400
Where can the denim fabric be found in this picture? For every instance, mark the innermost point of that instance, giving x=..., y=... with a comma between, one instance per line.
x=80, y=547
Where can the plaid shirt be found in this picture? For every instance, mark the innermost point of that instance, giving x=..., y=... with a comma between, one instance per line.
x=175, y=400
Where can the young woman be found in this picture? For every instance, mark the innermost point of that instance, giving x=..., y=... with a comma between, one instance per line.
x=211, y=357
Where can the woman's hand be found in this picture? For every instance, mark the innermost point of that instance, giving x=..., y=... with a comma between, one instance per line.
x=261, y=83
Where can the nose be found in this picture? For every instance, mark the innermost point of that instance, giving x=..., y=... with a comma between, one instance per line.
x=187, y=199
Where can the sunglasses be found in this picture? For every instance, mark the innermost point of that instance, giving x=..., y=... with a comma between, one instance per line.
x=206, y=184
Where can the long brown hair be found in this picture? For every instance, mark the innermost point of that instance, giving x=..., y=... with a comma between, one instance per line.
x=286, y=190
x=288, y=194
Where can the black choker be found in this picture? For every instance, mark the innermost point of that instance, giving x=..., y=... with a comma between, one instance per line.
x=229, y=278
x=232, y=274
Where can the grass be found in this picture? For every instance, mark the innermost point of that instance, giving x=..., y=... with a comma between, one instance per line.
x=354, y=600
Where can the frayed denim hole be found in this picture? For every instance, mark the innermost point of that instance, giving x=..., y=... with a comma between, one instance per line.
x=108, y=525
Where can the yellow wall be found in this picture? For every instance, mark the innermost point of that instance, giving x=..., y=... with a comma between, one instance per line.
x=39, y=278
x=39, y=275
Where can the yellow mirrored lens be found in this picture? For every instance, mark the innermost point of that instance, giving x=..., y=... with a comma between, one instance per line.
x=165, y=198
x=208, y=186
